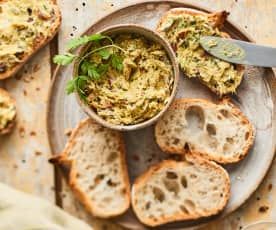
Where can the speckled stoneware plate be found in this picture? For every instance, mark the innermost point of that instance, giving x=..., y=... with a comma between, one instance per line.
x=256, y=97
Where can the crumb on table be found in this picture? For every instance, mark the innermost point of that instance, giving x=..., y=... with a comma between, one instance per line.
x=38, y=153
x=263, y=208
x=68, y=132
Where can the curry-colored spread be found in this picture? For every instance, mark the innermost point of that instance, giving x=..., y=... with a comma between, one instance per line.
x=140, y=90
x=183, y=32
x=7, y=111
x=23, y=24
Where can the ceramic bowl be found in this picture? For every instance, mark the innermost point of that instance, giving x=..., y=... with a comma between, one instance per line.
x=150, y=35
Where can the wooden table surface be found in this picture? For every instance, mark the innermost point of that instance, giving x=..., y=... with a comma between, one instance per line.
x=25, y=152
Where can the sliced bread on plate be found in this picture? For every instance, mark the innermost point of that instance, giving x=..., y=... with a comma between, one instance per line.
x=218, y=132
x=7, y=112
x=180, y=190
x=182, y=28
x=95, y=157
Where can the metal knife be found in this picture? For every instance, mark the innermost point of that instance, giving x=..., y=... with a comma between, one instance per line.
x=239, y=52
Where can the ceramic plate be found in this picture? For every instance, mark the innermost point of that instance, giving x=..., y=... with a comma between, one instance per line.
x=255, y=97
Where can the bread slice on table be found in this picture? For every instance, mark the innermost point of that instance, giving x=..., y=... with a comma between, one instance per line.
x=7, y=112
x=180, y=190
x=218, y=132
x=95, y=157
x=26, y=26
x=182, y=28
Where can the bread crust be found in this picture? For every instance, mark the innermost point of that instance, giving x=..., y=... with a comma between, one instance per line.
x=43, y=42
x=142, y=179
x=219, y=18
x=12, y=123
x=191, y=149
x=63, y=161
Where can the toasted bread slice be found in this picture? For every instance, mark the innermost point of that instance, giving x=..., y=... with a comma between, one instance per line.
x=26, y=26
x=7, y=112
x=221, y=77
x=95, y=157
x=219, y=132
x=172, y=191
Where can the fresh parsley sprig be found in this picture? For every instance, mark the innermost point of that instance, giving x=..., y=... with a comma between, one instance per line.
x=89, y=69
x=77, y=84
x=74, y=43
x=64, y=59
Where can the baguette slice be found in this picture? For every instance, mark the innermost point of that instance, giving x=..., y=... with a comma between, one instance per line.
x=219, y=85
x=218, y=132
x=7, y=112
x=26, y=26
x=173, y=191
x=95, y=157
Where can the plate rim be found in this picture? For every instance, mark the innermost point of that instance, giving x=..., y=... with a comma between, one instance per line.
x=235, y=28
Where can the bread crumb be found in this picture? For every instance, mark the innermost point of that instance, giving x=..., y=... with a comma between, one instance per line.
x=38, y=153
x=36, y=68
x=270, y=186
x=26, y=80
x=263, y=208
x=149, y=160
x=104, y=227
x=239, y=178
x=32, y=133
x=68, y=132
x=37, y=88
x=21, y=131
x=18, y=76
x=25, y=92
x=136, y=157
x=15, y=166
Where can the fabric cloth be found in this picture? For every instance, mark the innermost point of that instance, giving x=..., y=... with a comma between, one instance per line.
x=21, y=211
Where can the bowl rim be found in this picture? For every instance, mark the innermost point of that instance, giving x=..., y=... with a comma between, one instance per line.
x=171, y=55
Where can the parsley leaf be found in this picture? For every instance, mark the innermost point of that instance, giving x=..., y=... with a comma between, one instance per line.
x=93, y=73
x=90, y=69
x=77, y=85
x=105, y=54
x=117, y=62
x=64, y=59
x=74, y=43
x=81, y=82
x=70, y=86
x=102, y=69
x=84, y=66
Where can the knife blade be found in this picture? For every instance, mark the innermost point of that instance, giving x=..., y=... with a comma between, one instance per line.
x=239, y=52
